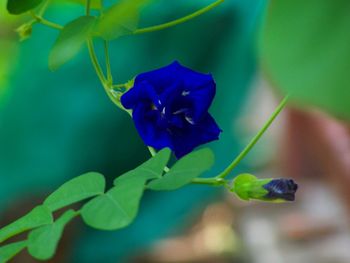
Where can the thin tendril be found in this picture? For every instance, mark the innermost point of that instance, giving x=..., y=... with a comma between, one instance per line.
x=178, y=21
x=255, y=139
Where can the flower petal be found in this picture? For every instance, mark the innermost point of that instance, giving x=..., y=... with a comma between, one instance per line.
x=281, y=189
x=201, y=99
x=161, y=78
x=146, y=125
x=185, y=140
x=142, y=92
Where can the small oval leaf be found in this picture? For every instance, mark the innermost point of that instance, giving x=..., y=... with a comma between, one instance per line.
x=120, y=19
x=9, y=251
x=75, y=190
x=42, y=242
x=17, y=7
x=152, y=168
x=70, y=41
x=187, y=168
x=118, y=207
x=39, y=216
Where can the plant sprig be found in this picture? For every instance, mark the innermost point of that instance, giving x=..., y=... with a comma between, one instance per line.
x=107, y=210
x=117, y=207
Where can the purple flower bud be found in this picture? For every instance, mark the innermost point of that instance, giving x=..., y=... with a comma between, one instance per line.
x=283, y=189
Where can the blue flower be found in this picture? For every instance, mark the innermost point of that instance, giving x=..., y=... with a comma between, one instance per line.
x=283, y=189
x=170, y=108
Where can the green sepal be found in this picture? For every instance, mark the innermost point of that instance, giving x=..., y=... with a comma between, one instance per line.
x=130, y=84
x=248, y=187
x=24, y=31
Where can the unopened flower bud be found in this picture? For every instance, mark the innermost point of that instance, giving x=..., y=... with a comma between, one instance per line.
x=24, y=31
x=248, y=187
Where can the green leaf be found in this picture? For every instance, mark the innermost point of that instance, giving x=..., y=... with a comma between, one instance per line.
x=184, y=170
x=17, y=7
x=75, y=190
x=95, y=4
x=117, y=208
x=9, y=251
x=70, y=41
x=39, y=216
x=305, y=52
x=42, y=242
x=153, y=168
x=120, y=19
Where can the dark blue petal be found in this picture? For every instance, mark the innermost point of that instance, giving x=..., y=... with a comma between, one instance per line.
x=281, y=189
x=171, y=100
x=193, y=80
x=184, y=141
x=161, y=78
x=165, y=76
x=146, y=125
x=140, y=93
x=177, y=122
x=172, y=91
x=201, y=99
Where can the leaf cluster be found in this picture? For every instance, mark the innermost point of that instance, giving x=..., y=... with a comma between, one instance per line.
x=105, y=210
x=118, y=206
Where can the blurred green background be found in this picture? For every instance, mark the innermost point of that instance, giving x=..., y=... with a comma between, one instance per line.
x=305, y=51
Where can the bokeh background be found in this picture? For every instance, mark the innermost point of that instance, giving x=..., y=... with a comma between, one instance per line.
x=57, y=125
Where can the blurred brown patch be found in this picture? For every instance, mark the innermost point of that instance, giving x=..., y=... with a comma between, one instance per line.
x=211, y=239
x=317, y=145
x=18, y=209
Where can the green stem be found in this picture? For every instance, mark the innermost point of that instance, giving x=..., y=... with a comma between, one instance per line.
x=88, y=7
x=107, y=87
x=178, y=21
x=119, y=86
x=214, y=181
x=43, y=8
x=95, y=62
x=255, y=139
x=152, y=150
x=45, y=22
x=108, y=63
